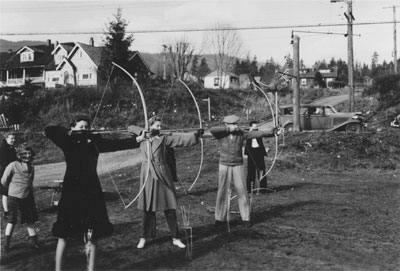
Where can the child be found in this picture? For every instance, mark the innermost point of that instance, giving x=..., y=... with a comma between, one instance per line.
x=7, y=155
x=18, y=178
x=82, y=210
x=230, y=140
x=159, y=192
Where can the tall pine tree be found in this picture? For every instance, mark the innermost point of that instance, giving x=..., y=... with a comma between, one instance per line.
x=116, y=47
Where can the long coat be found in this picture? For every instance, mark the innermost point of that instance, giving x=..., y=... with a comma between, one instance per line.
x=82, y=205
x=159, y=193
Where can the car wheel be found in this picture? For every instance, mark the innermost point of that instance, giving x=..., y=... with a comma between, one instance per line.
x=353, y=128
x=288, y=128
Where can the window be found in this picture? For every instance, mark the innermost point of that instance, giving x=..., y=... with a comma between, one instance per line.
x=216, y=82
x=26, y=57
x=85, y=76
x=55, y=79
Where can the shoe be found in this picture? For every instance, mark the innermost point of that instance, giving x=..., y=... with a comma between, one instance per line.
x=178, y=243
x=141, y=243
x=247, y=224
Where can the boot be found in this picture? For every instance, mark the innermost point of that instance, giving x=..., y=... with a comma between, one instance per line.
x=34, y=242
x=7, y=241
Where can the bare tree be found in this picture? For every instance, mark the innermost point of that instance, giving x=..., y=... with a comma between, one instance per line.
x=181, y=54
x=225, y=44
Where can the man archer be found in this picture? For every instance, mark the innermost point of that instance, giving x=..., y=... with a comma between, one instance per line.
x=230, y=140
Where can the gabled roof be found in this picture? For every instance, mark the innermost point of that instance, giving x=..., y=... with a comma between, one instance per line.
x=94, y=53
x=137, y=63
x=217, y=73
x=67, y=46
x=42, y=57
x=66, y=61
x=310, y=73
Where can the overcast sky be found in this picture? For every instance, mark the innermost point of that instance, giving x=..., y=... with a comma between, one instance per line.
x=82, y=18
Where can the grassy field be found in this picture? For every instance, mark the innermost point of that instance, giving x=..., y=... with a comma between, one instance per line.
x=311, y=220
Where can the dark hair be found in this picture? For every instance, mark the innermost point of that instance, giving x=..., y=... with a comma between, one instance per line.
x=154, y=119
x=78, y=119
x=9, y=133
x=253, y=122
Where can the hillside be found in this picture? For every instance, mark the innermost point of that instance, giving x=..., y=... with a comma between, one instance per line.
x=6, y=45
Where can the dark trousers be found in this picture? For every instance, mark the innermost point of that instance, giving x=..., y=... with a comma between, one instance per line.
x=149, y=223
x=255, y=164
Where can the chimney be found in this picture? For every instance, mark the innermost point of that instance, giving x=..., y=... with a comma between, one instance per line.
x=49, y=42
x=56, y=43
x=91, y=42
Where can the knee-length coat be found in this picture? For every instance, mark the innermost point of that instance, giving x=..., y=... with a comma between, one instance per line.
x=159, y=193
x=82, y=205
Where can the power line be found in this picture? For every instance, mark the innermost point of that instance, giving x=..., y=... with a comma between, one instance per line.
x=139, y=31
x=326, y=33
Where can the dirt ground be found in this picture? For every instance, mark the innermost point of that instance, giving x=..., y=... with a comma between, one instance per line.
x=308, y=221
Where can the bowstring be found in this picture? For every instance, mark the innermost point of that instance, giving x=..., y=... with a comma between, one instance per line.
x=102, y=96
x=101, y=157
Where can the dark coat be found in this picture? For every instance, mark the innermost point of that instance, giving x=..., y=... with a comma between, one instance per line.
x=7, y=155
x=82, y=205
x=248, y=149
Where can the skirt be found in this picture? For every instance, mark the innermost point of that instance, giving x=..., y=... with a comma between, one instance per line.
x=22, y=210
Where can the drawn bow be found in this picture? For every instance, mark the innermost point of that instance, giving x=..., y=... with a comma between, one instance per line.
x=201, y=139
x=148, y=143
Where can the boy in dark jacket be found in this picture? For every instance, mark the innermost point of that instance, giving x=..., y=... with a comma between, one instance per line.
x=256, y=152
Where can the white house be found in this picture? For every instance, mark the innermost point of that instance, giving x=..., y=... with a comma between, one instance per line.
x=78, y=68
x=61, y=51
x=218, y=80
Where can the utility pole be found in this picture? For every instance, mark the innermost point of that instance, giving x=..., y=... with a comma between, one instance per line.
x=350, y=18
x=209, y=107
x=394, y=38
x=165, y=61
x=296, y=89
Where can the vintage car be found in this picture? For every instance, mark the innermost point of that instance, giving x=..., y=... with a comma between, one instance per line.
x=321, y=117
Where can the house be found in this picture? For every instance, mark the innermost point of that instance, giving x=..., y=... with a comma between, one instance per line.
x=60, y=52
x=307, y=76
x=61, y=64
x=218, y=80
x=367, y=81
x=78, y=68
x=27, y=65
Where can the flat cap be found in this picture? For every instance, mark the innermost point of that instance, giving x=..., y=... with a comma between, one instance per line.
x=231, y=119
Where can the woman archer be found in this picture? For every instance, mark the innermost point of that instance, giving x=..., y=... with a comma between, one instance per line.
x=159, y=190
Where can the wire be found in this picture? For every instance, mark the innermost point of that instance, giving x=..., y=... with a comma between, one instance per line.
x=140, y=31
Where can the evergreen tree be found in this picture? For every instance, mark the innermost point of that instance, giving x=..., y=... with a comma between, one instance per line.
x=319, y=80
x=116, y=46
x=253, y=68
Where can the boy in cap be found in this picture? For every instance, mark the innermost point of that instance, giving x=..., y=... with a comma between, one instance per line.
x=230, y=140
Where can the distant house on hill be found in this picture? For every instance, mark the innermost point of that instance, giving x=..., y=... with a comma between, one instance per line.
x=307, y=76
x=71, y=63
x=218, y=80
